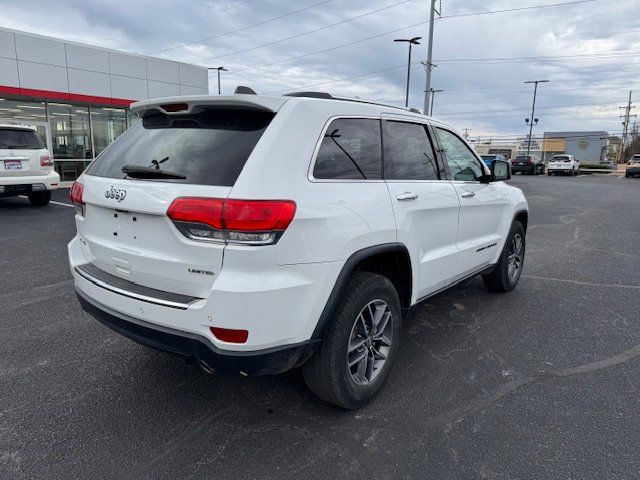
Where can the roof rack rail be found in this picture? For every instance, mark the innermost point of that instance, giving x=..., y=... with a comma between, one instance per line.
x=325, y=95
x=328, y=96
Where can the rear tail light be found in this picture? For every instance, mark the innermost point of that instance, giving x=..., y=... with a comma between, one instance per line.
x=230, y=335
x=46, y=160
x=249, y=222
x=75, y=195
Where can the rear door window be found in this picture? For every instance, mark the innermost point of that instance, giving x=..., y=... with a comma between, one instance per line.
x=208, y=148
x=350, y=150
x=20, y=139
x=408, y=152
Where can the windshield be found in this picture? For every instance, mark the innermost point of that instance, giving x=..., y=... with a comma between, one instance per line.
x=20, y=139
x=208, y=148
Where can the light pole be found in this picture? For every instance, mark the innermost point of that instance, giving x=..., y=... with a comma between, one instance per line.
x=219, y=69
x=411, y=41
x=531, y=120
x=433, y=97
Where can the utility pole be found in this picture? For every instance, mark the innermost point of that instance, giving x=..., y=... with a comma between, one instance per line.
x=411, y=41
x=531, y=120
x=429, y=65
x=433, y=97
x=625, y=128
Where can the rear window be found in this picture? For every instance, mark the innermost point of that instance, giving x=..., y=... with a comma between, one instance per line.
x=522, y=158
x=560, y=158
x=351, y=149
x=488, y=157
x=208, y=148
x=20, y=139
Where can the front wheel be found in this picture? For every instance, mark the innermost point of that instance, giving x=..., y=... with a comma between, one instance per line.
x=358, y=349
x=39, y=199
x=507, y=271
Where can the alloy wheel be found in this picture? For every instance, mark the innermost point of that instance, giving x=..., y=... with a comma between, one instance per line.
x=514, y=264
x=370, y=342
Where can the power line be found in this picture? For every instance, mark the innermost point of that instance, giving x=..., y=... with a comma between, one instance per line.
x=519, y=9
x=304, y=33
x=478, y=61
x=494, y=60
x=243, y=28
x=169, y=27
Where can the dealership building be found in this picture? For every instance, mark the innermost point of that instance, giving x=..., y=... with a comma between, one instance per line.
x=77, y=96
x=587, y=146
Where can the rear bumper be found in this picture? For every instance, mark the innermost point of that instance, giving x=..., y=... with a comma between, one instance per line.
x=25, y=185
x=195, y=348
x=522, y=168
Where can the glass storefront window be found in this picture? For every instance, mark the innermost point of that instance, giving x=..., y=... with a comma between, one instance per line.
x=132, y=118
x=107, y=124
x=70, y=132
x=22, y=111
x=71, y=139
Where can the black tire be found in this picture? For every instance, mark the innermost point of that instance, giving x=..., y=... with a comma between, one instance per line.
x=39, y=199
x=499, y=279
x=549, y=173
x=327, y=372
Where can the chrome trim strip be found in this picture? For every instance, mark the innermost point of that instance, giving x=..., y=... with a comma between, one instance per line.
x=464, y=277
x=133, y=295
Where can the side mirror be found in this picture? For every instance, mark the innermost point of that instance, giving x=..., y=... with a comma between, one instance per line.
x=500, y=171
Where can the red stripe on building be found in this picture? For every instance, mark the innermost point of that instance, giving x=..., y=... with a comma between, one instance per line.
x=69, y=97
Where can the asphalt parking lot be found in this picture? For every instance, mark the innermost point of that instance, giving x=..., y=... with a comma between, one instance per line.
x=541, y=383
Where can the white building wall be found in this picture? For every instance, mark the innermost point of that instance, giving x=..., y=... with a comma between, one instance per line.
x=29, y=61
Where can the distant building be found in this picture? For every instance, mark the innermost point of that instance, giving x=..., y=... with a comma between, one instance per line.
x=77, y=96
x=588, y=147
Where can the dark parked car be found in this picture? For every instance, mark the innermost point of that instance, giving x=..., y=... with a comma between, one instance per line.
x=530, y=165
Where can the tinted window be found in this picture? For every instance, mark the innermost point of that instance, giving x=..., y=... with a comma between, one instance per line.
x=408, y=153
x=350, y=149
x=19, y=139
x=463, y=164
x=208, y=148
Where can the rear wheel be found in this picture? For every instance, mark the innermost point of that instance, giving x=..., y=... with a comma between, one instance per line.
x=39, y=199
x=507, y=271
x=359, y=346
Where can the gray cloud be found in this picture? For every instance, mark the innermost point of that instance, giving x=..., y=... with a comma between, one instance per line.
x=489, y=97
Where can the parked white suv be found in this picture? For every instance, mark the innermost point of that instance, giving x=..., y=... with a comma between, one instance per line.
x=26, y=166
x=563, y=164
x=254, y=234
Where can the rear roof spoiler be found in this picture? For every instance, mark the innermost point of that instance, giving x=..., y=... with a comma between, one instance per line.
x=187, y=104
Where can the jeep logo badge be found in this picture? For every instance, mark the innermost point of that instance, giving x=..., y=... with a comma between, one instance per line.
x=116, y=194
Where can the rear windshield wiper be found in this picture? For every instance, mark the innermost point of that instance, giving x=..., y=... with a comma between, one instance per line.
x=136, y=171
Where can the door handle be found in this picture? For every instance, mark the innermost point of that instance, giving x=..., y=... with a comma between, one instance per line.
x=403, y=197
x=468, y=194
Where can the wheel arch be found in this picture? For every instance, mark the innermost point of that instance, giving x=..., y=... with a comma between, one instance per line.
x=390, y=259
x=523, y=217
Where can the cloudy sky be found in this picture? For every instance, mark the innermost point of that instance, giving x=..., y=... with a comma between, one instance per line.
x=589, y=50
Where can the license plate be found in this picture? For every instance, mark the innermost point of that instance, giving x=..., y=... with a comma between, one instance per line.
x=12, y=165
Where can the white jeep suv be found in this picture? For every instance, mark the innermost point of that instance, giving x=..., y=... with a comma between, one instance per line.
x=565, y=164
x=255, y=234
x=26, y=166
